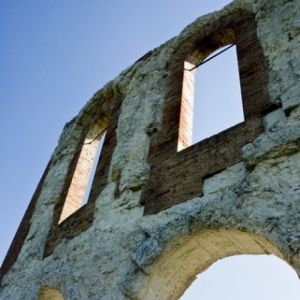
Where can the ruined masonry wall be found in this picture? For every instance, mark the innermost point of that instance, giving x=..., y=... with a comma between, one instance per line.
x=252, y=206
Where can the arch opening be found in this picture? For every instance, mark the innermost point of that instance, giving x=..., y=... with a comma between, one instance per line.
x=246, y=277
x=188, y=256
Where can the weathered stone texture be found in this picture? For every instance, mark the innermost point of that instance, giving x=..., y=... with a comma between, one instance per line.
x=111, y=249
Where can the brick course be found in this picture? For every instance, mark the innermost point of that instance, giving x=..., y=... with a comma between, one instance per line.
x=177, y=177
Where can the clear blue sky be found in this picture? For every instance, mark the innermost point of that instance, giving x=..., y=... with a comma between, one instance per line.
x=54, y=55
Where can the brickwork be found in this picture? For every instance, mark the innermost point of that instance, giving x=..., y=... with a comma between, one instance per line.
x=177, y=177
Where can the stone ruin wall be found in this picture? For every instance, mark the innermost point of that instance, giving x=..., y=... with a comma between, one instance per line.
x=156, y=217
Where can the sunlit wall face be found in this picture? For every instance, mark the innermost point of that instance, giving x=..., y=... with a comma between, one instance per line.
x=246, y=277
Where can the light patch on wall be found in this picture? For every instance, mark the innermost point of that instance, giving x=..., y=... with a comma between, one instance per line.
x=49, y=293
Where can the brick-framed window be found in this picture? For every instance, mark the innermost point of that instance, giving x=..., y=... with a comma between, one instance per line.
x=211, y=97
x=178, y=176
x=70, y=220
x=83, y=172
x=102, y=113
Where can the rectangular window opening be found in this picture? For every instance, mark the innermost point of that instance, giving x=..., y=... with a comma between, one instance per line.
x=81, y=183
x=211, y=99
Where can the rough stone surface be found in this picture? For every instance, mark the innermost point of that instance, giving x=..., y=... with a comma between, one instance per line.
x=251, y=207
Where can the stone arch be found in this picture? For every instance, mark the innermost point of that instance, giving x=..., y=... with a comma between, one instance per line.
x=50, y=293
x=178, y=266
